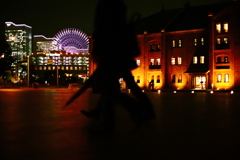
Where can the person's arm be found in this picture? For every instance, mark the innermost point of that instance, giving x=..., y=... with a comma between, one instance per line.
x=86, y=85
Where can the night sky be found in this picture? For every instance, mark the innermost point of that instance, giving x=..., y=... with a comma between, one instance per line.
x=47, y=17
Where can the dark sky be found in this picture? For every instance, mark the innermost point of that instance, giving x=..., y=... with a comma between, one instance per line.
x=48, y=17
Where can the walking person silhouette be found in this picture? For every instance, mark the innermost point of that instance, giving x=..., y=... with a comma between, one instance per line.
x=113, y=62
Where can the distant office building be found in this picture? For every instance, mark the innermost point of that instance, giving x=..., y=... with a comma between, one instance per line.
x=19, y=36
x=66, y=55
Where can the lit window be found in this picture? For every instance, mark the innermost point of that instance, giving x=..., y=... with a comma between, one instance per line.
x=40, y=68
x=218, y=27
x=158, y=47
x=226, y=78
x=80, y=68
x=71, y=68
x=62, y=68
x=202, y=59
x=152, y=47
x=225, y=27
x=195, y=60
x=219, y=78
x=202, y=41
x=173, y=43
x=152, y=61
x=49, y=67
x=195, y=41
x=218, y=40
x=179, y=78
x=44, y=68
x=158, y=79
x=172, y=61
x=179, y=60
x=158, y=61
x=75, y=68
x=138, y=62
x=179, y=43
x=225, y=39
x=53, y=68
x=226, y=59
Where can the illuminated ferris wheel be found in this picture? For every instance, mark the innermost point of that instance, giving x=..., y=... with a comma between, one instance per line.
x=71, y=40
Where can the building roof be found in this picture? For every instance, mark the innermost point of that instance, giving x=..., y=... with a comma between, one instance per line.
x=189, y=17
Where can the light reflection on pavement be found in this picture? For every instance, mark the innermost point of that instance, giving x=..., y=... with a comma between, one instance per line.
x=190, y=126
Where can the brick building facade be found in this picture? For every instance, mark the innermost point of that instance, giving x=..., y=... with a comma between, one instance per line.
x=195, y=47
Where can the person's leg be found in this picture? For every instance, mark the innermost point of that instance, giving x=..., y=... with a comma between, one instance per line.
x=146, y=107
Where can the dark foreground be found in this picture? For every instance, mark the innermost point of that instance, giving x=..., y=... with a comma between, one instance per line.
x=188, y=126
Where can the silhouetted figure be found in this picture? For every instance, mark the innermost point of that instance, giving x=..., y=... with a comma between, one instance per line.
x=114, y=61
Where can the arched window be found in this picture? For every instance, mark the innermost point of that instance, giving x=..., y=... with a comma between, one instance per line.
x=173, y=78
x=158, y=78
x=179, y=78
x=226, y=78
x=138, y=79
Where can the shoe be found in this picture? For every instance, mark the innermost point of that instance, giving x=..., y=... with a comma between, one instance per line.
x=90, y=114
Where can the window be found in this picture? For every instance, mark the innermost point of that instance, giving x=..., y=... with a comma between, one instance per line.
x=225, y=39
x=219, y=59
x=226, y=78
x=158, y=61
x=179, y=78
x=158, y=79
x=173, y=43
x=179, y=43
x=172, y=61
x=202, y=59
x=152, y=61
x=152, y=79
x=67, y=68
x=222, y=43
x=202, y=41
x=195, y=41
x=226, y=59
x=218, y=40
x=219, y=78
x=195, y=60
x=44, y=68
x=40, y=68
x=158, y=47
x=225, y=27
x=179, y=60
x=138, y=62
x=218, y=27
x=173, y=78
x=49, y=68
x=152, y=47
x=138, y=79
x=53, y=68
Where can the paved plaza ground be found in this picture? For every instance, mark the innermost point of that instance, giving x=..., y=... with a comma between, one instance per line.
x=195, y=126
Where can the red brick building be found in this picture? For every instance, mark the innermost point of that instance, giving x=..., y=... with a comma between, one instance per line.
x=195, y=47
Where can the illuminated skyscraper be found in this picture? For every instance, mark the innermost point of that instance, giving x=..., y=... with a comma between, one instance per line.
x=19, y=37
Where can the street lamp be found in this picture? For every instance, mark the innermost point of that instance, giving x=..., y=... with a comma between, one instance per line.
x=28, y=71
